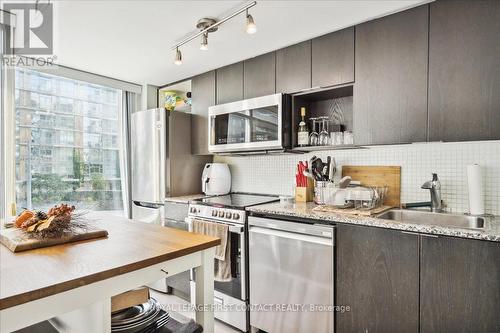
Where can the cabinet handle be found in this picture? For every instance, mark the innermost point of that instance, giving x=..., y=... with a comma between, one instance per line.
x=308, y=89
x=410, y=233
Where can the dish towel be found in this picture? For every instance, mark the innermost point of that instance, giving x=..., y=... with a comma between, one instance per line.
x=222, y=252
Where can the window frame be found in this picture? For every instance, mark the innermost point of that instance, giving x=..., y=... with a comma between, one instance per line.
x=8, y=127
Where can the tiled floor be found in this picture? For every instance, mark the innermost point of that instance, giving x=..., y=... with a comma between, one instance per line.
x=179, y=305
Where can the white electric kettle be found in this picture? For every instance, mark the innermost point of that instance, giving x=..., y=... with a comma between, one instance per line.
x=216, y=179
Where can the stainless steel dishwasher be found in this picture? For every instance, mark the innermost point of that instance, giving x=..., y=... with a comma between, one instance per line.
x=291, y=276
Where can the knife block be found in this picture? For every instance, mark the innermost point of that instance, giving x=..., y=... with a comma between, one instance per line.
x=305, y=194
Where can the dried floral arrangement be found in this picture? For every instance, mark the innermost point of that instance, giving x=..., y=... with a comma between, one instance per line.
x=59, y=220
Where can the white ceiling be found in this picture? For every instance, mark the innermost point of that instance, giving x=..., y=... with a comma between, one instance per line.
x=131, y=40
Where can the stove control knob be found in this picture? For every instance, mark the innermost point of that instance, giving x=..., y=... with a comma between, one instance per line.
x=236, y=216
x=214, y=213
x=221, y=213
x=192, y=210
x=228, y=215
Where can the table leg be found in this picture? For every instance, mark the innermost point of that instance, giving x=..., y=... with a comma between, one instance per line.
x=204, y=279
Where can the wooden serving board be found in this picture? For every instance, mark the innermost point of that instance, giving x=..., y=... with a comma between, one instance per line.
x=16, y=240
x=352, y=211
x=389, y=176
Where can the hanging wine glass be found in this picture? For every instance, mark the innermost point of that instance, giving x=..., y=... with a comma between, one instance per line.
x=323, y=135
x=313, y=137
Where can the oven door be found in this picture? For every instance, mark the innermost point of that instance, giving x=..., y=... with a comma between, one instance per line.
x=248, y=125
x=236, y=287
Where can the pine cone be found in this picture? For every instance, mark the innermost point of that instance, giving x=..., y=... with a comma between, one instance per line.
x=41, y=215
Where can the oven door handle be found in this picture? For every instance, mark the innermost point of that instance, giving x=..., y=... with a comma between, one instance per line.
x=291, y=235
x=237, y=229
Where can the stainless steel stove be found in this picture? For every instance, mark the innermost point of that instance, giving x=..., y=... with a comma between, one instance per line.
x=229, y=208
x=230, y=297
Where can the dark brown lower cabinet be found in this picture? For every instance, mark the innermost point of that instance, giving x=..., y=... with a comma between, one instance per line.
x=377, y=277
x=460, y=285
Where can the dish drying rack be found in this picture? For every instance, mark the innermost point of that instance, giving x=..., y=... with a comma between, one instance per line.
x=361, y=200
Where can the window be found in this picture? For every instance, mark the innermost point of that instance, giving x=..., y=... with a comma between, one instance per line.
x=67, y=143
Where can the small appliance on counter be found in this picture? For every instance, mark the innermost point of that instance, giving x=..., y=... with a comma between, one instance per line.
x=216, y=179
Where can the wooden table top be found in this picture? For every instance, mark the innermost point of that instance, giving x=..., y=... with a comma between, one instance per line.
x=130, y=245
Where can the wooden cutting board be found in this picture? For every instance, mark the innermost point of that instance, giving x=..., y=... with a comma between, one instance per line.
x=16, y=240
x=352, y=211
x=389, y=176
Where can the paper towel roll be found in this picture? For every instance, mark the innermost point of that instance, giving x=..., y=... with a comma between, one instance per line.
x=475, y=183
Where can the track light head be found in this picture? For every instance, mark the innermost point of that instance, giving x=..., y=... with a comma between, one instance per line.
x=251, y=26
x=178, y=57
x=204, y=42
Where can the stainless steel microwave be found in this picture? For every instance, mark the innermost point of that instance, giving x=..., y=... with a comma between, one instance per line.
x=256, y=124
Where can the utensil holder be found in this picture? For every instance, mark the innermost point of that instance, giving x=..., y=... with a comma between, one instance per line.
x=325, y=193
x=305, y=194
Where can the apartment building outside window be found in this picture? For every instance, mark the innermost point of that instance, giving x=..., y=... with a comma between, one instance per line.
x=67, y=142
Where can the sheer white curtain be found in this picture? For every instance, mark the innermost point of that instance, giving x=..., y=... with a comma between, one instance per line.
x=130, y=105
x=2, y=145
x=7, y=172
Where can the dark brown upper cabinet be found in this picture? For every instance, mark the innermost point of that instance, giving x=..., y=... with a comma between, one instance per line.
x=230, y=83
x=378, y=277
x=460, y=285
x=390, y=93
x=202, y=97
x=259, y=76
x=464, y=70
x=293, y=68
x=333, y=58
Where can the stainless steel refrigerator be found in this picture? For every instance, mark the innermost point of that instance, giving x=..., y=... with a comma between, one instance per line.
x=162, y=164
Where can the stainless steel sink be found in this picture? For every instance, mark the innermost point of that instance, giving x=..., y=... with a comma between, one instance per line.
x=436, y=219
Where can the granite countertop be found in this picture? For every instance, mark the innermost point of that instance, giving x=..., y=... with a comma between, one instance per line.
x=185, y=198
x=491, y=232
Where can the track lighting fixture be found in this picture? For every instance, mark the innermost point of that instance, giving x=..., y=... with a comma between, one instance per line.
x=207, y=25
x=178, y=57
x=251, y=27
x=204, y=42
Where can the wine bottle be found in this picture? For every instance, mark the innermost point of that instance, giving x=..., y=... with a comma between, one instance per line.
x=303, y=131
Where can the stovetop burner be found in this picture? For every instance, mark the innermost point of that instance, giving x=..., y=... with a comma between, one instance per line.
x=236, y=200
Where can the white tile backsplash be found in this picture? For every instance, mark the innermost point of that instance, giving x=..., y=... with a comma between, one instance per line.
x=274, y=174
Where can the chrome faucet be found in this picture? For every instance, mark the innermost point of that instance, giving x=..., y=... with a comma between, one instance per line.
x=434, y=186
